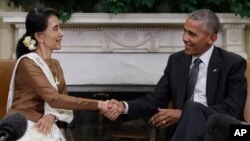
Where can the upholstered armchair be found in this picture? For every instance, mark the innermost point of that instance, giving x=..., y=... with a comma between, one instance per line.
x=6, y=68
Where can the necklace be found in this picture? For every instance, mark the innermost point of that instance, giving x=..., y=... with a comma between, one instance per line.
x=55, y=74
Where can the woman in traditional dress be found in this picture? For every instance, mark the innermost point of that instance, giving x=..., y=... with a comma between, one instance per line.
x=38, y=90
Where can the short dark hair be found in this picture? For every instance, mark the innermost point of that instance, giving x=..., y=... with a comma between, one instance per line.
x=36, y=21
x=209, y=18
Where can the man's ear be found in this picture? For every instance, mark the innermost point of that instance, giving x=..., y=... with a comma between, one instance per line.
x=39, y=37
x=212, y=39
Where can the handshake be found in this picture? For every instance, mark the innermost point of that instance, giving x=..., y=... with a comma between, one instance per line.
x=162, y=119
x=111, y=108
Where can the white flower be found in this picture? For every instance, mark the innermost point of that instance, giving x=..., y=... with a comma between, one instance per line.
x=29, y=43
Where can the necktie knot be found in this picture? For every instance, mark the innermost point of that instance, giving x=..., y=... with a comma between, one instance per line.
x=197, y=61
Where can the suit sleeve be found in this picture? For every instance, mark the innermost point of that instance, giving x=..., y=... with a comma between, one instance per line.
x=148, y=105
x=33, y=76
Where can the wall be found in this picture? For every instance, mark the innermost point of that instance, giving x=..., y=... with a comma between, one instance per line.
x=247, y=41
x=7, y=44
x=127, y=48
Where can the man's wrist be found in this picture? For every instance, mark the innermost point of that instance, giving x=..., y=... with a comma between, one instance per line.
x=125, y=107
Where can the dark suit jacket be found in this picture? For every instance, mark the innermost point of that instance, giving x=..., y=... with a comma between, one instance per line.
x=226, y=88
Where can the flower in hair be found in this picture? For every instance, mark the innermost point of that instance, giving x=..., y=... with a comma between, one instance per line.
x=29, y=43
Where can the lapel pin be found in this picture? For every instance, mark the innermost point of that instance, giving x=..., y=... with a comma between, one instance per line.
x=215, y=70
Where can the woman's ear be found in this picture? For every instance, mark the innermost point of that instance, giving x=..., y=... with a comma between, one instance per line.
x=39, y=37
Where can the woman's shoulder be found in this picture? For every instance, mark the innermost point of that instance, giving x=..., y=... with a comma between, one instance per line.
x=55, y=61
x=26, y=65
x=26, y=61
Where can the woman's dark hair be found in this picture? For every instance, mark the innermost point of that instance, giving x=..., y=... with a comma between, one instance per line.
x=36, y=21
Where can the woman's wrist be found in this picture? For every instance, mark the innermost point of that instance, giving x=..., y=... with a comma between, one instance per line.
x=99, y=104
x=55, y=118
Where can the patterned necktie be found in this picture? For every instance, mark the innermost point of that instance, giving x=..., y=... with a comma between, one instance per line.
x=193, y=75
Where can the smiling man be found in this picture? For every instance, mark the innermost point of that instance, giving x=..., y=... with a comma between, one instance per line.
x=201, y=80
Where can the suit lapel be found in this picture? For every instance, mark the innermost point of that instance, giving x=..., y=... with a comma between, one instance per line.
x=183, y=73
x=212, y=76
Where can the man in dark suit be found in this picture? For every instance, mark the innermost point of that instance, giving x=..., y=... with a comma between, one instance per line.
x=213, y=83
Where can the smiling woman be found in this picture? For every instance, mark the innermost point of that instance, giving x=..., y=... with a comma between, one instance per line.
x=37, y=88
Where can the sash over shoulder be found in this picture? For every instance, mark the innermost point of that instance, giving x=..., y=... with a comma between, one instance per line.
x=61, y=114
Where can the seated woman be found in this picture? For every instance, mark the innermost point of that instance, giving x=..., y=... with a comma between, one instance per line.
x=38, y=90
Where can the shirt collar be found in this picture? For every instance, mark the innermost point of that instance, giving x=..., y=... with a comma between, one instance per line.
x=205, y=57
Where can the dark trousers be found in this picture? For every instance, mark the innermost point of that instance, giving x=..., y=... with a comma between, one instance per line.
x=192, y=124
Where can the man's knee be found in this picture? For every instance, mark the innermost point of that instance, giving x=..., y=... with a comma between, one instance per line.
x=192, y=109
x=193, y=106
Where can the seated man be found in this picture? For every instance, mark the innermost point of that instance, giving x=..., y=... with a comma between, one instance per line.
x=201, y=80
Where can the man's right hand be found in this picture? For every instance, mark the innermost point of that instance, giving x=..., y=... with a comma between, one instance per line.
x=115, y=108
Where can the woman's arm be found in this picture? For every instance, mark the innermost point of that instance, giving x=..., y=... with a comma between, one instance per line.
x=33, y=76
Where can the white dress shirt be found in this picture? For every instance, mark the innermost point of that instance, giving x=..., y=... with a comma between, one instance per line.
x=200, y=87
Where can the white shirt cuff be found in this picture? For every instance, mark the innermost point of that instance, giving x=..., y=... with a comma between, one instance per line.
x=126, y=107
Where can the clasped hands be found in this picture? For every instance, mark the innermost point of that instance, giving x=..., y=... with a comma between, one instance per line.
x=111, y=108
x=163, y=118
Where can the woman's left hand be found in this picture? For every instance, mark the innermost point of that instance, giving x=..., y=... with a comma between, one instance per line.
x=166, y=117
x=44, y=124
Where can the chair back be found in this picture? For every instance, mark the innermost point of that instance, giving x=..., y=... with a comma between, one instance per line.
x=247, y=105
x=6, y=69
